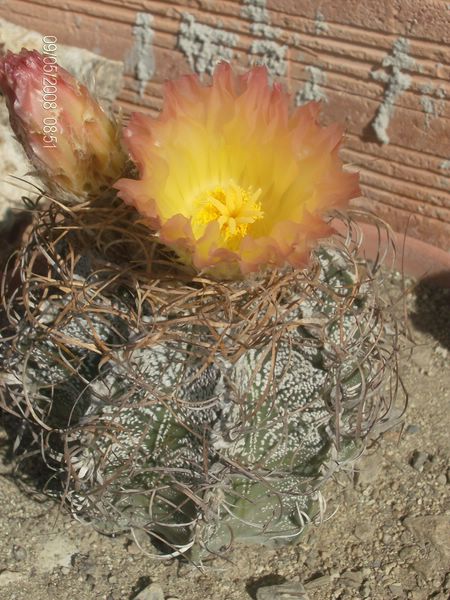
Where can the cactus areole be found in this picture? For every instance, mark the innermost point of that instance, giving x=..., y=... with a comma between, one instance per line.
x=184, y=340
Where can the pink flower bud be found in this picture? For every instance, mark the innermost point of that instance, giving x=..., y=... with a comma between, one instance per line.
x=67, y=136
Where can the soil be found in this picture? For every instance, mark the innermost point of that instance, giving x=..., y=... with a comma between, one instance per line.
x=389, y=537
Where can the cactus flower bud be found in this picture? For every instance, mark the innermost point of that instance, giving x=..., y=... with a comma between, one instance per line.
x=68, y=137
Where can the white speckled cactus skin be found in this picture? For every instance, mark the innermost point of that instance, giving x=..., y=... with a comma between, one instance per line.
x=197, y=452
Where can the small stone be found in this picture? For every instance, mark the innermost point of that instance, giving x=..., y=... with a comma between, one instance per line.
x=441, y=351
x=442, y=479
x=151, y=592
x=375, y=564
x=285, y=591
x=412, y=428
x=431, y=528
x=407, y=552
x=8, y=577
x=418, y=460
x=133, y=548
x=405, y=538
x=425, y=567
x=364, y=531
x=389, y=567
x=351, y=579
x=112, y=578
x=18, y=553
x=418, y=595
x=396, y=590
x=421, y=357
x=318, y=582
x=311, y=559
x=369, y=468
x=55, y=551
x=446, y=583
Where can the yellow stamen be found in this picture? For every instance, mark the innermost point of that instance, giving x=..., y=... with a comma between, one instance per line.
x=231, y=206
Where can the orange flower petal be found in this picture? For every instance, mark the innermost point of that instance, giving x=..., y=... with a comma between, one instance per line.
x=208, y=251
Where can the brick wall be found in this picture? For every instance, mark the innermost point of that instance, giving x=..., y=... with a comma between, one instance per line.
x=380, y=66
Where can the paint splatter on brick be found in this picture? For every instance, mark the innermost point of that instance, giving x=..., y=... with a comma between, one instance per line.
x=204, y=46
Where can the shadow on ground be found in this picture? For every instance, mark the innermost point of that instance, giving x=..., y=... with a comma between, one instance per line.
x=255, y=583
x=431, y=313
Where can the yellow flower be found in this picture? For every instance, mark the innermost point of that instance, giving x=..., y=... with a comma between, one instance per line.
x=230, y=178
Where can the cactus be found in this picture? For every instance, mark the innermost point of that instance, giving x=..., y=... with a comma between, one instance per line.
x=191, y=368
x=162, y=407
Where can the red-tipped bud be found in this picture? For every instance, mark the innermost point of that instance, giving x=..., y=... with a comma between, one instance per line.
x=65, y=133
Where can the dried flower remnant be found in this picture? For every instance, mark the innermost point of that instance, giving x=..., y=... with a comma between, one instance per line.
x=85, y=155
x=230, y=178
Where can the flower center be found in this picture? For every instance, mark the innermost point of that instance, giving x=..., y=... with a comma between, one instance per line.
x=231, y=206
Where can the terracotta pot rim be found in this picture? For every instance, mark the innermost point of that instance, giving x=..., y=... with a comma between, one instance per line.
x=413, y=257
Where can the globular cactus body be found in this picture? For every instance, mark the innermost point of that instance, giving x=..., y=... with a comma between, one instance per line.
x=169, y=422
